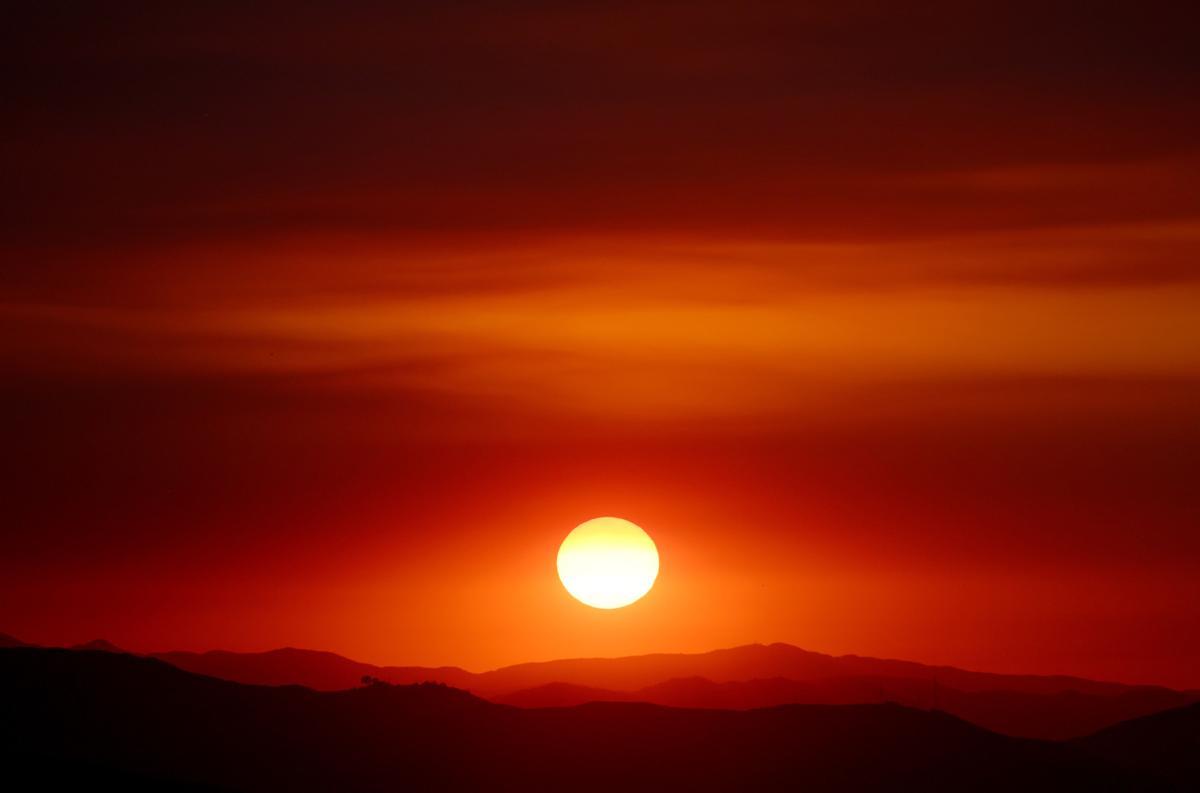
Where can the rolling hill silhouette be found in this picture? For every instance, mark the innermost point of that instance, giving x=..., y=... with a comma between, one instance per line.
x=742, y=677
x=757, y=661
x=79, y=716
x=1165, y=745
x=1029, y=706
x=314, y=669
x=329, y=671
x=1058, y=716
x=98, y=645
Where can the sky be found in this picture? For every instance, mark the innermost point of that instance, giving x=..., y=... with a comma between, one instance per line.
x=323, y=324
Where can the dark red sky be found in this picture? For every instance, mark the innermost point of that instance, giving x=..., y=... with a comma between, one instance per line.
x=323, y=324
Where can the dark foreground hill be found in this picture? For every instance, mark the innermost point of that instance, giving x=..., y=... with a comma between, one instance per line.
x=102, y=719
x=1166, y=744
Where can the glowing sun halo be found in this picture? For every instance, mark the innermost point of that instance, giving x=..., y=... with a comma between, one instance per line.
x=608, y=563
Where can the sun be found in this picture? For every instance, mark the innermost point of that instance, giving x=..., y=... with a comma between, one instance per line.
x=608, y=563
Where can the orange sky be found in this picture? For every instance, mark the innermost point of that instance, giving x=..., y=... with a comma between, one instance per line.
x=323, y=327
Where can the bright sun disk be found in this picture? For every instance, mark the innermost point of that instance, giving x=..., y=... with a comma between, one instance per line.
x=608, y=563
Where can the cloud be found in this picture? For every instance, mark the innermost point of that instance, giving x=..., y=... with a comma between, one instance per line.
x=815, y=122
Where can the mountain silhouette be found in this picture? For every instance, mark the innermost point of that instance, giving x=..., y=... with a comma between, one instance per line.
x=751, y=676
x=1030, y=706
x=566, y=695
x=98, y=645
x=1165, y=745
x=1050, y=716
x=757, y=661
x=323, y=671
x=81, y=716
x=328, y=671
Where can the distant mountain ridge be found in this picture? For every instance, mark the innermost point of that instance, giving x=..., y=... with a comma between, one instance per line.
x=325, y=670
x=92, y=719
x=758, y=661
x=1046, y=716
x=98, y=645
x=739, y=678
